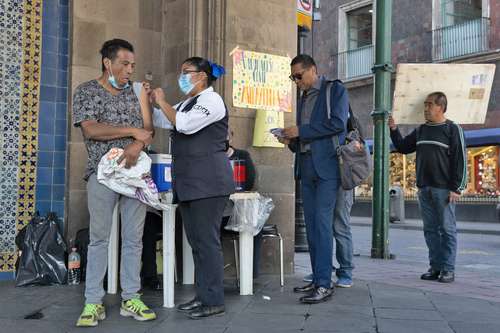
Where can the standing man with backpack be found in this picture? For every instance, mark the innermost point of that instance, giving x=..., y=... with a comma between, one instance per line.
x=441, y=178
x=342, y=218
x=317, y=166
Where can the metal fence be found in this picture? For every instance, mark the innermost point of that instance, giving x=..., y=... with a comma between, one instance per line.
x=460, y=39
x=355, y=63
x=465, y=199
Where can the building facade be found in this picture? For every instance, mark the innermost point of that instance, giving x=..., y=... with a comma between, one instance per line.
x=342, y=40
x=49, y=47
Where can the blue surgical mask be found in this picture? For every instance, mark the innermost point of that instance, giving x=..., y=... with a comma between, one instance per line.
x=112, y=81
x=185, y=83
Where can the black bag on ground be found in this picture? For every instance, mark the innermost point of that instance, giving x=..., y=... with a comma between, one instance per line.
x=42, y=260
x=82, y=241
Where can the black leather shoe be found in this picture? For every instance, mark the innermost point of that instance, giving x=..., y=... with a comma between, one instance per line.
x=430, y=275
x=320, y=294
x=189, y=306
x=207, y=311
x=305, y=289
x=446, y=277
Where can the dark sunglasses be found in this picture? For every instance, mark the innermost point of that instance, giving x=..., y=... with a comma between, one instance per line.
x=296, y=77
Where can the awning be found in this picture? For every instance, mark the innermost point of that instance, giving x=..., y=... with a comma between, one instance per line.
x=473, y=138
x=482, y=137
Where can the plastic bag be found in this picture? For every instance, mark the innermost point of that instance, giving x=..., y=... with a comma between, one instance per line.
x=43, y=260
x=135, y=182
x=250, y=214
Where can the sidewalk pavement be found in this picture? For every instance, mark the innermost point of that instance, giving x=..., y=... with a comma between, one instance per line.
x=484, y=228
x=369, y=306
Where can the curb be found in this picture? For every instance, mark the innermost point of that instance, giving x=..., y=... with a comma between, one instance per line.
x=460, y=230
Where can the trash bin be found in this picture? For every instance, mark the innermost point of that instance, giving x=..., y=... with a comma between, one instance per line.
x=396, y=204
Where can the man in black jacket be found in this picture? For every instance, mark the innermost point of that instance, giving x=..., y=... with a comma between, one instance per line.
x=441, y=178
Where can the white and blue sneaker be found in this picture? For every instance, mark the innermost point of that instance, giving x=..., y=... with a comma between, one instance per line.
x=344, y=282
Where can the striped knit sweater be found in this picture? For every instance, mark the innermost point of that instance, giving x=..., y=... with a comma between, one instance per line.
x=441, y=157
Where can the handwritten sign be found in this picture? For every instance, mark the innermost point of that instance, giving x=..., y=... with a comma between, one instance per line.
x=466, y=86
x=260, y=81
x=264, y=122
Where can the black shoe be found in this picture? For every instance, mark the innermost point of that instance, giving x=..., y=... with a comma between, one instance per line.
x=152, y=283
x=305, y=289
x=189, y=306
x=446, y=277
x=431, y=274
x=207, y=311
x=320, y=294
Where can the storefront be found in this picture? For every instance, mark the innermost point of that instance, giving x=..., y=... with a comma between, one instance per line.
x=483, y=176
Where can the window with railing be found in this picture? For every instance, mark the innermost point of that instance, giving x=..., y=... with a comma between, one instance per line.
x=463, y=29
x=356, y=57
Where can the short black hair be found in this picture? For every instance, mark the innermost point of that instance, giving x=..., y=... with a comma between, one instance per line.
x=111, y=47
x=304, y=59
x=202, y=65
x=439, y=99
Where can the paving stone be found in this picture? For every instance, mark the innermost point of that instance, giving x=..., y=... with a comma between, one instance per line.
x=463, y=327
x=340, y=323
x=412, y=326
x=424, y=315
x=262, y=322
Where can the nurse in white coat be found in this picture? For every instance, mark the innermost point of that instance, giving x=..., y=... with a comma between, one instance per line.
x=201, y=176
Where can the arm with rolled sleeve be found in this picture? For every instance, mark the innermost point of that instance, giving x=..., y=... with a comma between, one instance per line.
x=338, y=117
x=160, y=120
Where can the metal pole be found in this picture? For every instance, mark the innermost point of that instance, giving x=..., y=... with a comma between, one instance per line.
x=382, y=101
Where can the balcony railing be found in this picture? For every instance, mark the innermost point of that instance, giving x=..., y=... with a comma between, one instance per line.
x=355, y=63
x=461, y=39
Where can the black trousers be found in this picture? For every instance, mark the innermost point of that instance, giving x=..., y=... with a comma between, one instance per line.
x=202, y=221
x=152, y=233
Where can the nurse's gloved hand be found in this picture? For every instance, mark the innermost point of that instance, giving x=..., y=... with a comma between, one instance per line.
x=158, y=95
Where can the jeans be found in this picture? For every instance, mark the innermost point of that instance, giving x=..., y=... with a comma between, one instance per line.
x=440, y=230
x=319, y=201
x=342, y=232
x=101, y=202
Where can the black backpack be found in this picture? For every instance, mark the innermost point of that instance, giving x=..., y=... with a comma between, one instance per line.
x=353, y=122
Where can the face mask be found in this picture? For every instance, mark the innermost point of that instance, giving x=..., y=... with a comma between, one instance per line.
x=112, y=81
x=185, y=83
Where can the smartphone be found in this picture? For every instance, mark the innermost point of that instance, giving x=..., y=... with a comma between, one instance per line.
x=278, y=132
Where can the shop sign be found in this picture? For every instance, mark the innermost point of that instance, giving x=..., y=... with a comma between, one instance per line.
x=304, y=13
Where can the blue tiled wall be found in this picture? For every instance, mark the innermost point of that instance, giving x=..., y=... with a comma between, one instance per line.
x=52, y=120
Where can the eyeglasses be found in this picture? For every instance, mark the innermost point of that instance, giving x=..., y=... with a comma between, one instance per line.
x=187, y=71
x=297, y=77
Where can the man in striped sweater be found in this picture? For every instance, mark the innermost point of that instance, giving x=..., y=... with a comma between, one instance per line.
x=441, y=178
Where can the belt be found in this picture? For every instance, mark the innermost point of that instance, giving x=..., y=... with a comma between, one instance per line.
x=305, y=153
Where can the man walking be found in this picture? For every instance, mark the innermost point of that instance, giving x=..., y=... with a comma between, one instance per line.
x=317, y=167
x=441, y=178
x=110, y=115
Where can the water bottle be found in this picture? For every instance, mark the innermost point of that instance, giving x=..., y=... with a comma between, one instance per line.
x=74, y=270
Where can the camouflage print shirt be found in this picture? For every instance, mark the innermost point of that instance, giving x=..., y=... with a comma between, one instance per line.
x=92, y=101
